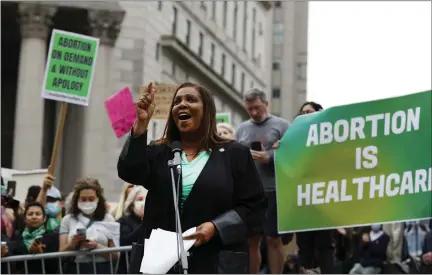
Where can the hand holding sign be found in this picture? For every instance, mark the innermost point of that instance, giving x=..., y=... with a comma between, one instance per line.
x=144, y=107
x=48, y=182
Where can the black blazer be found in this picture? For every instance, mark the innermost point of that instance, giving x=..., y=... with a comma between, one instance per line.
x=228, y=192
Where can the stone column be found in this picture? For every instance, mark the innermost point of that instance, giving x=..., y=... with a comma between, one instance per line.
x=35, y=19
x=98, y=137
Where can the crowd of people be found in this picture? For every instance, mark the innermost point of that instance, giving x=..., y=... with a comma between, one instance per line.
x=237, y=188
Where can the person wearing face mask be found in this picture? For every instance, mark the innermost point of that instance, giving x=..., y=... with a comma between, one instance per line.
x=88, y=227
x=50, y=197
x=373, y=251
x=130, y=222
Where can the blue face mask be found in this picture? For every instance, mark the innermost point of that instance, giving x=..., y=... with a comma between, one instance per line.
x=52, y=209
x=376, y=227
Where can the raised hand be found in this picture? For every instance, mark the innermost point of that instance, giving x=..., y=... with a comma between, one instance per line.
x=144, y=107
x=48, y=182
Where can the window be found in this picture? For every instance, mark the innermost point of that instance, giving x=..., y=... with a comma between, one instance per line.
x=276, y=65
x=188, y=31
x=244, y=25
x=233, y=74
x=174, y=27
x=276, y=92
x=159, y=5
x=223, y=65
x=213, y=14
x=212, y=54
x=242, y=87
x=201, y=42
x=157, y=51
x=278, y=28
x=225, y=12
x=235, y=21
x=277, y=39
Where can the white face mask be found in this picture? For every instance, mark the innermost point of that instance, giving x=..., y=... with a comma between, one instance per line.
x=138, y=206
x=88, y=208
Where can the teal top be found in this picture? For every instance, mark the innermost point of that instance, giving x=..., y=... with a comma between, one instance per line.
x=191, y=171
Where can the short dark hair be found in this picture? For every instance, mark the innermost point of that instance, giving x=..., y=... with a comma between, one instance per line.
x=34, y=204
x=93, y=184
x=254, y=94
x=317, y=107
x=211, y=138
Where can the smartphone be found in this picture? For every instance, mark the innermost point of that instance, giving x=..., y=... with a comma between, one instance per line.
x=11, y=188
x=38, y=240
x=81, y=232
x=256, y=145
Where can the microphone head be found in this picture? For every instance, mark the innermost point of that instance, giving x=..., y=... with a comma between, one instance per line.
x=176, y=146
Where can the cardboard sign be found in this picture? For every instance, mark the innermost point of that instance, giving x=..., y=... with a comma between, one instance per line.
x=163, y=99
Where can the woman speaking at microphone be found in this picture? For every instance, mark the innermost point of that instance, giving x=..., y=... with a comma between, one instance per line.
x=220, y=190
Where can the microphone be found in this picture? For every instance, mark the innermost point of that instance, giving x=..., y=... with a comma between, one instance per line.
x=176, y=149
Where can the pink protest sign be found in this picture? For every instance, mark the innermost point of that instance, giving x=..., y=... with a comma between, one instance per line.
x=121, y=111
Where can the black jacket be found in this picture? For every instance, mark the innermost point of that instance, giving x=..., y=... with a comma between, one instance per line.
x=228, y=192
x=51, y=241
x=374, y=253
x=129, y=233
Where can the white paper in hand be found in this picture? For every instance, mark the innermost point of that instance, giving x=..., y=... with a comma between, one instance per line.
x=160, y=251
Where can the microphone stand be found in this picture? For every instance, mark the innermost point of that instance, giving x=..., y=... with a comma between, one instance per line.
x=180, y=243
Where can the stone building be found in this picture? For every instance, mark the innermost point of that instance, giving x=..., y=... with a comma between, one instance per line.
x=289, y=68
x=223, y=45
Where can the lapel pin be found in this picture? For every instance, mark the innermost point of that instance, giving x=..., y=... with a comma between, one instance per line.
x=221, y=150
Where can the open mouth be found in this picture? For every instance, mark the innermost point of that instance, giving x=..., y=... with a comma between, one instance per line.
x=184, y=116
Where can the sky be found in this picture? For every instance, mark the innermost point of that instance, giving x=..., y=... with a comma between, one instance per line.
x=362, y=51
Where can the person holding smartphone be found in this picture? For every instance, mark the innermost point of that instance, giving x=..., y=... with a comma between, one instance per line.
x=88, y=226
x=35, y=239
x=260, y=133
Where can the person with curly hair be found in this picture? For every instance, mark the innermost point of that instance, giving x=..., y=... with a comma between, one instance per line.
x=88, y=226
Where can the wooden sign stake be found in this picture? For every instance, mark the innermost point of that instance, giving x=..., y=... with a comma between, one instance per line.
x=58, y=137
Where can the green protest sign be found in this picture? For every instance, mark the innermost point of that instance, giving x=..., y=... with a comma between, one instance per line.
x=70, y=67
x=223, y=117
x=356, y=164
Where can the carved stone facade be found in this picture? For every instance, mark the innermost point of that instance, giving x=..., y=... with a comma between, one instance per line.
x=82, y=153
x=35, y=19
x=106, y=25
